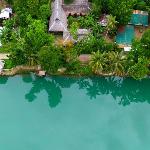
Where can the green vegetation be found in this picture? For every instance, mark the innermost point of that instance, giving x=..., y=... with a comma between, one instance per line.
x=27, y=40
x=8, y=64
x=68, y=1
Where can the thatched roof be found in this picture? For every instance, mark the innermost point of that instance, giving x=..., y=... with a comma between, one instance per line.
x=78, y=7
x=58, y=20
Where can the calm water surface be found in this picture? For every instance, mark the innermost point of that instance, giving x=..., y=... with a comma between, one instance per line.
x=60, y=113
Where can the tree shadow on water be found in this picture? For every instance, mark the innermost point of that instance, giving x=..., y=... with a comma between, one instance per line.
x=3, y=80
x=124, y=90
x=50, y=86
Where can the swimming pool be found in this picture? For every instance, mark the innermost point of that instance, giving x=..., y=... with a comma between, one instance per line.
x=125, y=36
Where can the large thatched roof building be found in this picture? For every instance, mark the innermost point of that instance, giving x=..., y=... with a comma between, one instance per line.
x=60, y=11
x=58, y=20
x=78, y=7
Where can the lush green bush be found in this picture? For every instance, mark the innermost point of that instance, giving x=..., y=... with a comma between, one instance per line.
x=50, y=58
x=8, y=64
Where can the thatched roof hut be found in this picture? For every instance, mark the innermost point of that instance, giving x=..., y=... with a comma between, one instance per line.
x=78, y=7
x=58, y=20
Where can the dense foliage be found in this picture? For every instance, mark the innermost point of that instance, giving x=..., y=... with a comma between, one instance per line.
x=27, y=40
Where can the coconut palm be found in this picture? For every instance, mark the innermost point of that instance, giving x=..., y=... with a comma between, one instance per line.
x=116, y=62
x=111, y=23
x=97, y=62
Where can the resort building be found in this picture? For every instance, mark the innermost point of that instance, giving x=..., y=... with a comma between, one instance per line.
x=58, y=21
x=60, y=11
x=135, y=28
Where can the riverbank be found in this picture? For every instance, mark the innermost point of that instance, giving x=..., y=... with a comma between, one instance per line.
x=35, y=69
x=19, y=70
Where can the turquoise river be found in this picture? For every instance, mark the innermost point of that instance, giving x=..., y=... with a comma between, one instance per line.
x=69, y=113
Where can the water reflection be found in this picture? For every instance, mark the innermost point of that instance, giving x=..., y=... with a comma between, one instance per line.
x=64, y=82
x=3, y=80
x=39, y=84
x=124, y=90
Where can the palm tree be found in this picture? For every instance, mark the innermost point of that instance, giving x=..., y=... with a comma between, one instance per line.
x=116, y=62
x=111, y=23
x=97, y=62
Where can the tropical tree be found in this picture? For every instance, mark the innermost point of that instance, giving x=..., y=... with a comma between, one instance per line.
x=86, y=21
x=35, y=38
x=96, y=7
x=50, y=58
x=97, y=62
x=44, y=12
x=116, y=63
x=111, y=24
x=122, y=9
x=140, y=69
x=145, y=41
x=74, y=29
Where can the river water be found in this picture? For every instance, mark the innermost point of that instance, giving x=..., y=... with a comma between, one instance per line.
x=62, y=113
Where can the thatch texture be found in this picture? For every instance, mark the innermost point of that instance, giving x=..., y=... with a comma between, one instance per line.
x=78, y=7
x=58, y=20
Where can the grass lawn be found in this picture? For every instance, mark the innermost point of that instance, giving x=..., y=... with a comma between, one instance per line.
x=68, y=1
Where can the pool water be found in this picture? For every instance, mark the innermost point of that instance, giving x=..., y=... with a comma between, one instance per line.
x=126, y=36
x=62, y=113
